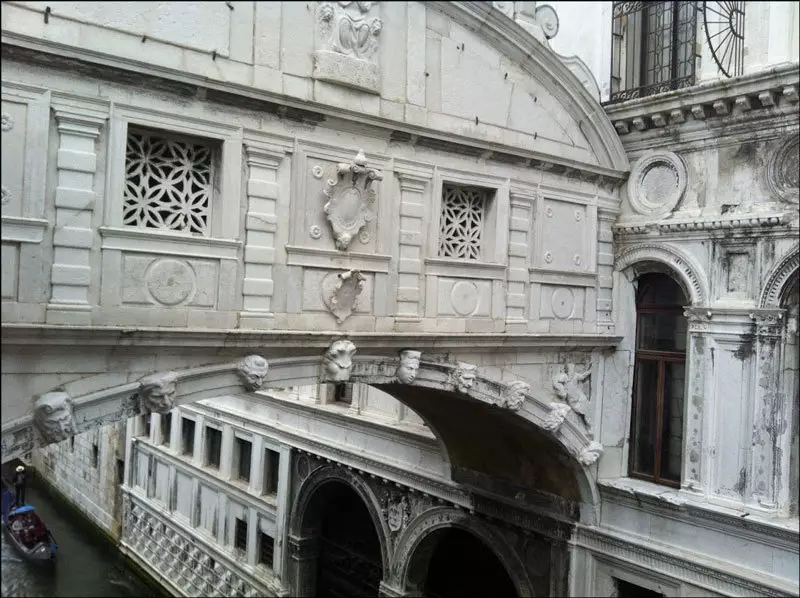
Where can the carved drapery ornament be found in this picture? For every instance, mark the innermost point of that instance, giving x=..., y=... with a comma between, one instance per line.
x=350, y=198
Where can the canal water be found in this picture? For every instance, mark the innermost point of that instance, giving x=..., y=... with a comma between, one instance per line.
x=87, y=565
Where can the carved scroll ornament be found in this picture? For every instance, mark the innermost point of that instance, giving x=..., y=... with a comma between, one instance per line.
x=350, y=198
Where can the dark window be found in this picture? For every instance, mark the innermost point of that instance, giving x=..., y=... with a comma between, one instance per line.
x=240, y=535
x=213, y=447
x=343, y=393
x=120, y=471
x=272, y=460
x=244, y=449
x=652, y=48
x=266, y=549
x=166, y=428
x=95, y=454
x=658, y=381
x=72, y=443
x=187, y=436
x=626, y=589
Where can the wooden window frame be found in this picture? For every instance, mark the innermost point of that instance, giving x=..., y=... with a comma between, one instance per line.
x=662, y=358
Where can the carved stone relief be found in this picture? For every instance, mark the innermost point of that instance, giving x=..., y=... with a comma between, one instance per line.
x=251, y=371
x=342, y=299
x=409, y=366
x=170, y=281
x=350, y=198
x=157, y=392
x=397, y=512
x=7, y=122
x=514, y=394
x=657, y=183
x=463, y=377
x=556, y=416
x=783, y=170
x=54, y=417
x=567, y=386
x=338, y=361
x=348, y=35
x=591, y=453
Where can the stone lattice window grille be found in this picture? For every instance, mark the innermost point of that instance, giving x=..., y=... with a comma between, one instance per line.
x=463, y=219
x=169, y=182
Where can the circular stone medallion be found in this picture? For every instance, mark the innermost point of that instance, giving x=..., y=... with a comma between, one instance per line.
x=657, y=183
x=783, y=170
x=464, y=297
x=170, y=282
x=563, y=303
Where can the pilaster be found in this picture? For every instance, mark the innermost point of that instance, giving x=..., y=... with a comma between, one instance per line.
x=520, y=217
x=261, y=224
x=257, y=466
x=283, y=509
x=226, y=453
x=73, y=234
x=694, y=478
x=605, y=269
x=768, y=410
x=410, y=263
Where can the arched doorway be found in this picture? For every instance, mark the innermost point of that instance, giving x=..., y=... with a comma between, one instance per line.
x=453, y=562
x=349, y=551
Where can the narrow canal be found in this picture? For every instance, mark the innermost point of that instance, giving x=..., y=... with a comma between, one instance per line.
x=87, y=565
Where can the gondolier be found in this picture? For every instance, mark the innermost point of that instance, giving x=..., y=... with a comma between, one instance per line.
x=20, y=483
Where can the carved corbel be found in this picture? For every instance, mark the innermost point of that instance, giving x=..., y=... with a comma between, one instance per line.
x=157, y=392
x=556, y=416
x=350, y=198
x=463, y=377
x=338, y=361
x=514, y=394
x=409, y=366
x=590, y=454
x=251, y=371
x=54, y=417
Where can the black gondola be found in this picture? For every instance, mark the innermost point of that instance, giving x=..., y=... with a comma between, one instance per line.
x=27, y=532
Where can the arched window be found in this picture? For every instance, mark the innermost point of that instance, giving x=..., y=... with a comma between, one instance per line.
x=658, y=381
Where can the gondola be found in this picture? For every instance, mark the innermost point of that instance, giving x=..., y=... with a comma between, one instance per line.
x=27, y=532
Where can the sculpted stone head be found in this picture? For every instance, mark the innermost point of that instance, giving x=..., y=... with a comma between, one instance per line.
x=464, y=376
x=514, y=394
x=409, y=366
x=54, y=417
x=252, y=370
x=157, y=391
x=338, y=361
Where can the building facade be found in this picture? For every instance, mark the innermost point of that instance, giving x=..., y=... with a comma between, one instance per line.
x=569, y=267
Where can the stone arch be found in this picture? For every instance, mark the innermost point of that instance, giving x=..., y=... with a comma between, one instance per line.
x=778, y=279
x=408, y=564
x=550, y=446
x=641, y=258
x=305, y=514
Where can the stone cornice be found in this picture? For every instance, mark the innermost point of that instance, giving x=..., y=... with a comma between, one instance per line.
x=703, y=224
x=51, y=54
x=707, y=106
x=671, y=505
x=388, y=342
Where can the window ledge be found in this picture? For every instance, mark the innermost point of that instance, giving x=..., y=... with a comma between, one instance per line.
x=682, y=500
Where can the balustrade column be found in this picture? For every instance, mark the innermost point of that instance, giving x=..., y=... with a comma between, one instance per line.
x=768, y=408
x=73, y=234
x=261, y=224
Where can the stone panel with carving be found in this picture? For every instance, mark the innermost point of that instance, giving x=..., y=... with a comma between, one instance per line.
x=565, y=233
x=13, y=156
x=562, y=302
x=462, y=297
x=321, y=286
x=169, y=281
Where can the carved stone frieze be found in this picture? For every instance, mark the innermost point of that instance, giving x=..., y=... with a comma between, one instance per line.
x=251, y=371
x=409, y=366
x=350, y=198
x=768, y=323
x=568, y=387
x=54, y=417
x=699, y=319
x=342, y=300
x=463, y=377
x=157, y=392
x=556, y=416
x=338, y=361
x=783, y=170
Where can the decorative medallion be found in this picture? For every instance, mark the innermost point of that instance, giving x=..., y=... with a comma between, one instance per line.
x=303, y=468
x=464, y=297
x=315, y=232
x=576, y=260
x=548, y=257
x=340, y=294
x=317, y=171
x=170, y=281
x=657, y=183
x=562, y=302
x=350, y=198
x=7, y=122
x=364, y=236
x=548, y=211
x=578, y=215
x=783, y=169
x=547, y=19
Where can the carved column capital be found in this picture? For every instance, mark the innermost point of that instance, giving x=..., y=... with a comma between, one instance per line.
x=699, y=319
x=769, y=322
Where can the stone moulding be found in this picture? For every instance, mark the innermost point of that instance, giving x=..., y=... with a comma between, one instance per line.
x=657, y=183
x=782, y=170
x=778, y=277
x=688, y=270
x=702, y=223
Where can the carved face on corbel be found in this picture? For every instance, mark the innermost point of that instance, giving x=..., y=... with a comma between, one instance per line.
x=464, y=376
x=157, y=392
x=338, y=361
x=514, y=394
x=409, y=366
x=53, y=416
x=251, y=371
x=350, y=198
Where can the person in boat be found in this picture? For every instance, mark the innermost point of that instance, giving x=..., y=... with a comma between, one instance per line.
x=20, y=483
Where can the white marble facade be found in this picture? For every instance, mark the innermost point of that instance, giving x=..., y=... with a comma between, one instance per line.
x=498, y=205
